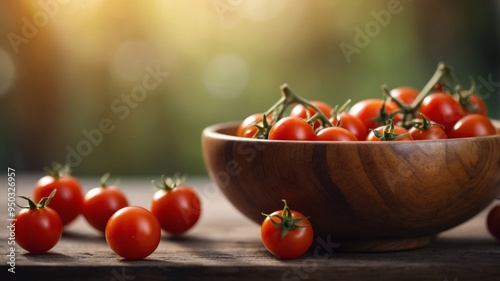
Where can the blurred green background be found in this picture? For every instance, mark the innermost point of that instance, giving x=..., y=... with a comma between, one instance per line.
x=128, y=86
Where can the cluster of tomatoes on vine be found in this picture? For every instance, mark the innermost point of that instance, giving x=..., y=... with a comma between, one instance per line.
x=441, y=110
x=132, y=232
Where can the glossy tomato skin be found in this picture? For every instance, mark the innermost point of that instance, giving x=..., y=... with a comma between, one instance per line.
x=68, y=202
x=248, y=129
x=335, y=134
x=472, y=125
x=493, y=221
x=177, y=210
x=292, y=128
x=295, y=243
x=368, y=109
x=300, y=111
x=101, y=203
x=405, y=94
x=133, y=233
x=397, y=130
x=352, y=124
x=38, y=230
x=433, y=133
x=474, y=101
x=442, y=109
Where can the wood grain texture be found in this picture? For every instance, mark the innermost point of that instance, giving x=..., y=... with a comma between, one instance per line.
x=393, y=194
x=225, y=245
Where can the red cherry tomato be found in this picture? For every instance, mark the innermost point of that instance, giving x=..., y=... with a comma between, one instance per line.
x=472, y=125
x=38, y=228
x=473, y=104
x=335, y=134
x=176, y=206
x=285, y=241
x=291, y=128
x=369, y=109
x=398, y=134
x=133, y=233
x=442, y=109
x=352, y=124
x=433, y=133
x=101, y=203
x=405, y=94
x=69, y=200
x=247, y=128
x=493, y=222
x=300, y=111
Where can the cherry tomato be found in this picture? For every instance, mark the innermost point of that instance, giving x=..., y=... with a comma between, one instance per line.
x=247, y=127
x=100, y=203
x=472, y=125
x=433, y=133
x=38, y=227
x=292, y=128
x=286, y=233
x=493, y=221
x=405, y=94
x=133, y=233
x=369, y=109
x=388, y=134
x=69, y=200
x=176, y=206
x=300, y=111
x=335, y=134
x=473, y=103
x=442, y=109
x=352, y=124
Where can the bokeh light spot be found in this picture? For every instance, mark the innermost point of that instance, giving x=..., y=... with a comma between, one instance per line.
x=226, y=76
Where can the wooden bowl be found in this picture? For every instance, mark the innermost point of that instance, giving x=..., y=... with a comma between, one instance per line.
x=367, y=196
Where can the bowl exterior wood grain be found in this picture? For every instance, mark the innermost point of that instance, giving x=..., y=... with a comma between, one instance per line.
x=368, y=196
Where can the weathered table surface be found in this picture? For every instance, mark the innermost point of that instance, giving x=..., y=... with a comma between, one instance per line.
x=226, y=245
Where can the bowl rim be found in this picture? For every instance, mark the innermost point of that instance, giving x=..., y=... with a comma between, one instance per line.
x=212, y=131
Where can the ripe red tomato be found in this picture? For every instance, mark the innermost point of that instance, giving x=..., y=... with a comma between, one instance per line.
x=292, y=128
x=435, y=132
x=300, y=111
x=473, y=104
x=286, y=233
x=493, y=221
x=472, y=125
x=335, y=134
x=100, y=203
x=369, y=109
x=247, y=128
x=133, y=233
x=352, y=124
x=69, y=200
x=442, y=109
x=405, y=94
x=387, y=134
x=38, y=228
x=177, y=207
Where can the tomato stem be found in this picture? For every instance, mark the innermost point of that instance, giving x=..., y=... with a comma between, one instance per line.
x=57, y=170
x=286, y=221
x=42, y=204
x=169, y=183
x=104, y=179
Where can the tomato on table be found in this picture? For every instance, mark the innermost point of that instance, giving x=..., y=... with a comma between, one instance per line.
x=133, y=233
x=38, y=227
x=493, y=221
x=100, y=203
x=287, y=234
x=69, y=200
x=176, y=206
x=292, y=128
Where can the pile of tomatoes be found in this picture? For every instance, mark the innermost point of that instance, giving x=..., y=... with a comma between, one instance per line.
x=439, y=111
x=133, y=232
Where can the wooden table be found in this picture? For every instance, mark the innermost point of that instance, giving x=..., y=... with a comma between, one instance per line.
x=226, y=245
